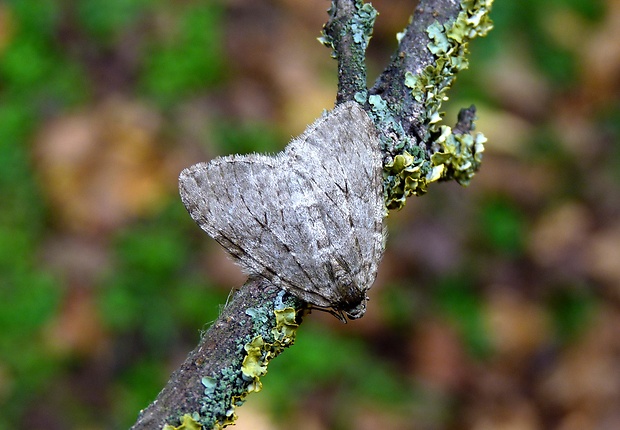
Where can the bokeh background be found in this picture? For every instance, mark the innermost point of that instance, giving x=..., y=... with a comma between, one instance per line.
x=496, y=306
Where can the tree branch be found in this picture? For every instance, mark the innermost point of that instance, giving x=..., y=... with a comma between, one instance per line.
x=405, y=101
x=217, y=375
x=413, y=56
x=347, y=33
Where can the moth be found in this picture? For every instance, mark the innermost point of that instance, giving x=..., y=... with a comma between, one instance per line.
x=309, y=219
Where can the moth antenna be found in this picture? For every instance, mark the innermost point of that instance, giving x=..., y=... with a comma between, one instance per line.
x=338, y=314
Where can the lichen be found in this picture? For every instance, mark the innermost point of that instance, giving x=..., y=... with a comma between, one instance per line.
x=450, y=155
x=408, y=177
x=353, y=30
x=187, y=423
x=393, y=135
x=362, y=24
x=460, y=155
x=359, y=27
x=254, y=366
x=273, y=329
x=286, y=327
x=259, y=352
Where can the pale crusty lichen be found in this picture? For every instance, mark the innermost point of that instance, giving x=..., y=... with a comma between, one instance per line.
x=225, y=391
x=353, y=30
x=452, y=155
x=360, y=27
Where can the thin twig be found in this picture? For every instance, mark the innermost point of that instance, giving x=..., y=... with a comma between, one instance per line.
x=210, y=383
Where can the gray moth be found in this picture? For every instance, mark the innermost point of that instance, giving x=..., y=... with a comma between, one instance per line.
x=308, y=219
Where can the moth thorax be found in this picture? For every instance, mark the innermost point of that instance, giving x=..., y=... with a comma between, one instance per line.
x=342, y=277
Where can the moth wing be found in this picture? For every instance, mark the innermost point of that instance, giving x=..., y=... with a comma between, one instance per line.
x=300, y=216
x=341, y=156
x=255, y=207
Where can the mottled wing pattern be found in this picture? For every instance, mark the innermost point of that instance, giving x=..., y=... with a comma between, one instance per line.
x=345, y=169
x=309, y=218
x=250, y=205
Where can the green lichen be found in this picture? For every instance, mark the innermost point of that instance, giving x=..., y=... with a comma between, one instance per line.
x=452, y=155
x=384, y=117
x=259, y=352
x=354, y=31
x=255, y=364
x=359, y=27
x=410, y=176
x=187, y=423
x=460, y=155
x=410, y=170
x=362, y=24
x=273, y=329
x=286, y=327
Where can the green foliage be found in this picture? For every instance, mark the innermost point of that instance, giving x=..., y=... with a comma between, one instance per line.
x=17, y=185
x=29, y=298
x=153, y=249
x=456, y=299
x=559, y=64
x=135, y=388
x=149, y=290
x=188, y=60
x=40, y=21
x=106, y=21
x=324, y=359
x=246, y=137
x=150, y=293
x=30, y=70
x=34, y=68
x=593, y=10
x=24, y=63
x=571, y=307
x=400, y=305
x=526, y=21
x=503, y=227
x=610, y=120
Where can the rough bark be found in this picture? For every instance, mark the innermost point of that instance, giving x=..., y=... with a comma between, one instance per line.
x=219, y=353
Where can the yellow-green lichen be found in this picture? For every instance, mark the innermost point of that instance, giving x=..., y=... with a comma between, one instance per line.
x=460, y=154
x=452, y=156
x=187, y=423
x=408, y=178
x=273, y=328
x=449, y=44
x=254, y=365
x=258, y=354
x=286, y=327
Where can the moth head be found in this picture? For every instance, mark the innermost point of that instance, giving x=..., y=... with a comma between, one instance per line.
x=351, y=299
x=358, y=311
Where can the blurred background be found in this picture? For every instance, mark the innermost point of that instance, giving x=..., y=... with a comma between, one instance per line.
x=497, y=306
